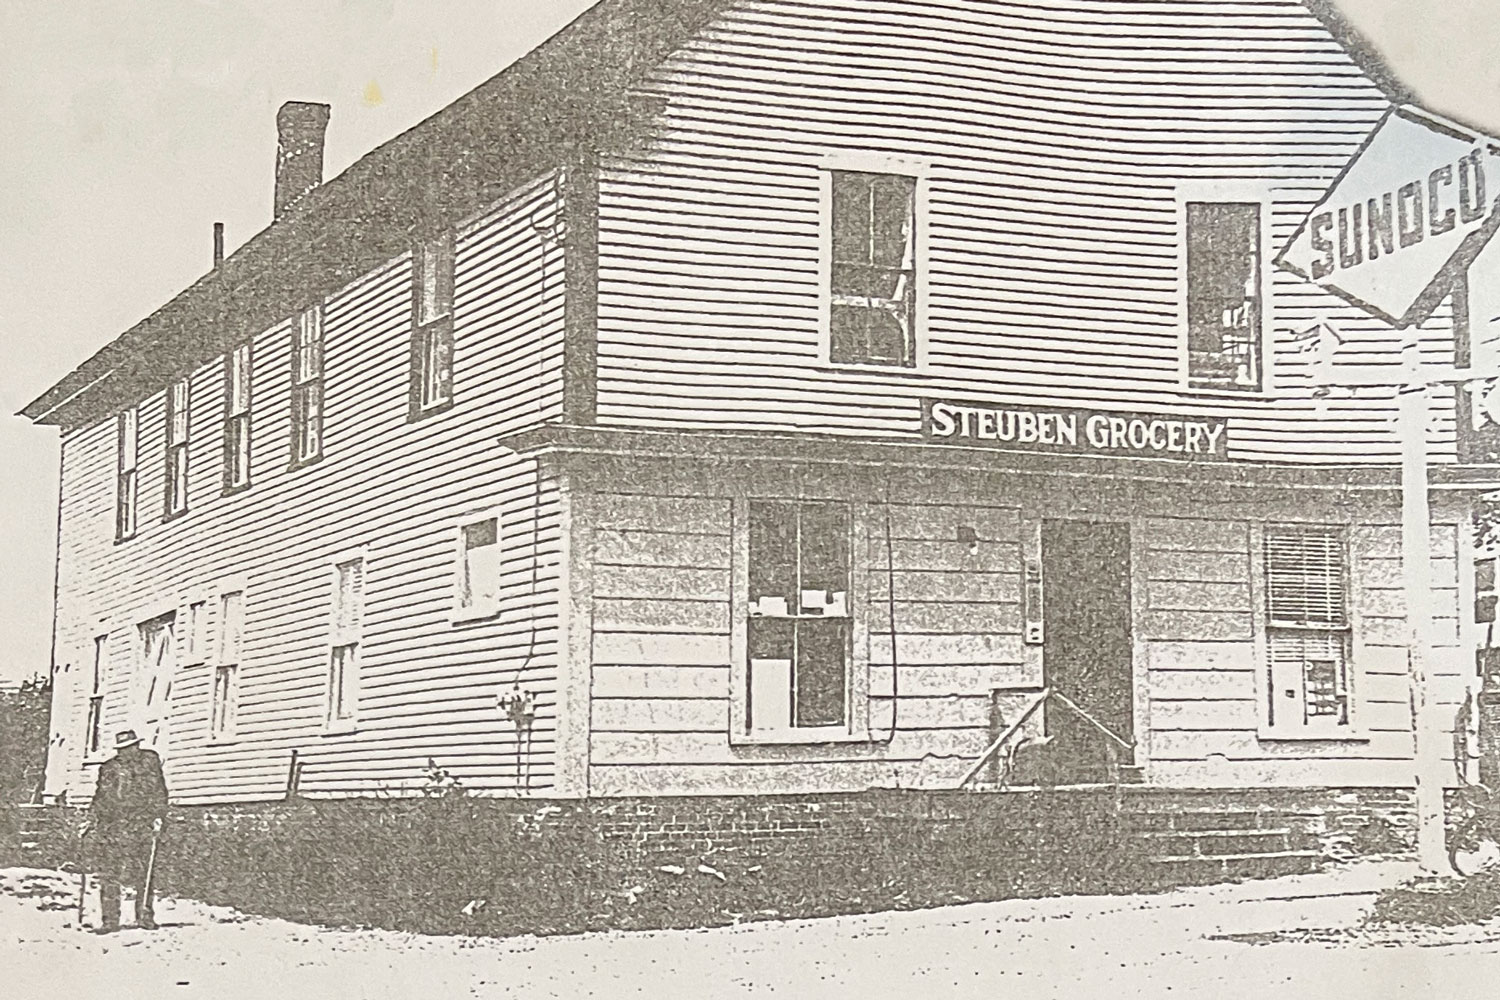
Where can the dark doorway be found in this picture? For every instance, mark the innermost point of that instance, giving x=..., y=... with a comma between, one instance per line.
x=1088, y=645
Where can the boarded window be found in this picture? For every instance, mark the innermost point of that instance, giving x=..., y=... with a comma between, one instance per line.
x=1224, y=309
x=432, y=326
x=1308, y=634
x=237, y=368
x=127, y=443
x=799, y=615
x=307, y=386
x=873, y=295
x=479, y=566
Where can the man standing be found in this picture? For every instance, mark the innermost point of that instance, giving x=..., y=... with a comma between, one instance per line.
x=125, y=818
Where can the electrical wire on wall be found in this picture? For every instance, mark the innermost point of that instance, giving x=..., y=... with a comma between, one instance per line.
x=520, y=705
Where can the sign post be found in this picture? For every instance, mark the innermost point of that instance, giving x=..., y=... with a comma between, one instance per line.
x=1394, y=235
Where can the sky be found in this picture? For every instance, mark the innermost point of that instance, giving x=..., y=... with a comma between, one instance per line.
x=131, y=126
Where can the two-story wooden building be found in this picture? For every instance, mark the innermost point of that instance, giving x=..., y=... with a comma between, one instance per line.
x=772, y=396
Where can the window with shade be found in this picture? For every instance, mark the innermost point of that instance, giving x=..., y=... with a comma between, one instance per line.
x=346, y=625
x=127, y=447
x=1308, y=632
x=177, y=448
x=237, y=419
x=432, y=327
x=799, y=631
x=307, y=387
x=1225, y=314
x=873, y=274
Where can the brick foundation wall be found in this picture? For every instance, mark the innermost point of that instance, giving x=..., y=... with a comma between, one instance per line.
x=522, y=865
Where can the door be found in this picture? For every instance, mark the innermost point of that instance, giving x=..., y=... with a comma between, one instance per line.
x=1087, y=650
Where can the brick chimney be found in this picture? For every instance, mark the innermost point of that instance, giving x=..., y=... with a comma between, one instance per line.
x=300, y=128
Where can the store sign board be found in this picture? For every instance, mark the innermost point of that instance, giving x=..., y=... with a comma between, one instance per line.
x=1414, y=205
x=1074, y=431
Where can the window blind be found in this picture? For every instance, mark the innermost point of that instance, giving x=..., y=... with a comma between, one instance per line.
x=1306, y=576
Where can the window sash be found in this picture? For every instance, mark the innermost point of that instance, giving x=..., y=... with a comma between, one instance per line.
x=177, y=413
x=1307, y=576
x=343, y=681
x=127, y=440
x=237, y=382
x=125, y=500
x=225, y=700
x=433, y=352
x=347, y=609
x=94, y=725
x=1308, y=675
x=873, y=277
x=231, y=627
x=237, y=451
x=177, y=478
x=307, y=421
x=433, y=279
x=800, y=628
x=479, y=585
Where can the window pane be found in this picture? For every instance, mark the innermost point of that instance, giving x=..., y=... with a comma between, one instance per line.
x=231, y=626
x=851, y=217
x=894, y=200
x=771, y=648
x=824, y=558
x=821, y=672
x=239, y=380
x=1223, y=293
x=773, y=558
x=129, y=424
x=1309, y=678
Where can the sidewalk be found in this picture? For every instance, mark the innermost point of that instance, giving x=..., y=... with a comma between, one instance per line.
x=1184, y=943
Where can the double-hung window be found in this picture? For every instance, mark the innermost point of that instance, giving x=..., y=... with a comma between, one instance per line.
x=799, y=628
x=94, y=726
x=177, y=448
x=127, y=445
x=344, y=637
x=224, y=703
x=1225, y=310
x=1308, y=632
x=873, y=268
x=432, y=326
x=307, y=386
x=237, y=419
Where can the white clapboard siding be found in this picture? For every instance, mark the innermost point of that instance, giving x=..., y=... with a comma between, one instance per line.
x=1057, y=136
x=1205, y=676
x=661, y=674
x=394, y=490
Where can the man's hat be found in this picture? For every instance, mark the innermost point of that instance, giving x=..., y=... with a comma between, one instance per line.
x=126, y=738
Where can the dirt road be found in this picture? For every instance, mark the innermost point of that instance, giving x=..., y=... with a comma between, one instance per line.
x=1192, y=943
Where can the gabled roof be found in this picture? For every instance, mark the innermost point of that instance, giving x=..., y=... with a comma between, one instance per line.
x=569, y=95
x=566, y=96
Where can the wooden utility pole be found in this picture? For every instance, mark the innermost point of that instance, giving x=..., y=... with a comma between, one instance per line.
x=1416, y=571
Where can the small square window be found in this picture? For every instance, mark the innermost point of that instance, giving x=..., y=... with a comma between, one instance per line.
x=479, y=567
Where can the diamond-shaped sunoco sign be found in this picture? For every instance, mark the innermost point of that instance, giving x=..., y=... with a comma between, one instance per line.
x=1413, y=207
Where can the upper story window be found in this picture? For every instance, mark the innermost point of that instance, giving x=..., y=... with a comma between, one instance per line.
x=177, y=448
x=307, y=386
x=1225, y=308
x=237, y=418
x=873, y=268
x=432, y=326
x=799, y=631
x=1308, y=631
x=127, y=445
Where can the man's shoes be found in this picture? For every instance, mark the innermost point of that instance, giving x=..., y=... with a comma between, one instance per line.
x=107, y=929
x=146, y=924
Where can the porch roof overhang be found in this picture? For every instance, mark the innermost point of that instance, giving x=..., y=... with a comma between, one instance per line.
x=570, y=445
